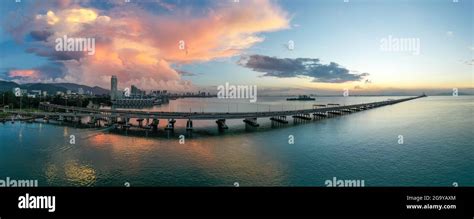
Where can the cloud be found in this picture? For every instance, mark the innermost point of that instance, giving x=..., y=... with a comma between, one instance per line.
x=55, y=71
x=167, y=6
x=186, y=73
x=40, y=35
x=30, y=73
x=141, y=46
x=300, y=67
x=51, y=54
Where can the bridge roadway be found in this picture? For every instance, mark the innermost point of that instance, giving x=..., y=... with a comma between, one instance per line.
x=69, y=111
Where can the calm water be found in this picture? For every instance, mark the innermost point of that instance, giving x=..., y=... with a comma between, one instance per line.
x=437, y=149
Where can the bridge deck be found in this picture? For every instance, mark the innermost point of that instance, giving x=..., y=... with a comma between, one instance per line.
x=108, y=113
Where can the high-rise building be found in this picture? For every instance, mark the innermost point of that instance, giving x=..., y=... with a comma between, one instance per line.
x=135, y=91
x=113, y=87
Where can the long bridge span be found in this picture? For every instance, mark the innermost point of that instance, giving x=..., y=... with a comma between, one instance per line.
x=121, y=118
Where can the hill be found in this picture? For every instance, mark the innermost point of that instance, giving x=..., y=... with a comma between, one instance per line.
x=52, y=88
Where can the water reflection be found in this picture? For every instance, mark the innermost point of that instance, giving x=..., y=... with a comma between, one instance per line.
x=212, y=156
x=78, y=174
x=65, y=131
x=51, y=173
x=362, y=145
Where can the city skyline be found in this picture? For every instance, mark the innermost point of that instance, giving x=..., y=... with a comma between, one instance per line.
x=283, y=47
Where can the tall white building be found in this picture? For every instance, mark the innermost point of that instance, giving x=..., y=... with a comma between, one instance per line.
x=113, y=88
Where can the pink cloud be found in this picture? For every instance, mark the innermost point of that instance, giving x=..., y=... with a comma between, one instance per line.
x=27, y=73
x=141, y=47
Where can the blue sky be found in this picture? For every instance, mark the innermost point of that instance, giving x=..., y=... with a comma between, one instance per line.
x=346, y=33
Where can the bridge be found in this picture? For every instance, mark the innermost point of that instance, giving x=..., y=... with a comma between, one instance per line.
x=121, y=118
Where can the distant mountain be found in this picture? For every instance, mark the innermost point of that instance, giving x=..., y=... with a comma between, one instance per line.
x=7, y=85
x=52, y=88
x=75, y=87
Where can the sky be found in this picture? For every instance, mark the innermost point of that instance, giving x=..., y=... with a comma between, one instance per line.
x=285, y=46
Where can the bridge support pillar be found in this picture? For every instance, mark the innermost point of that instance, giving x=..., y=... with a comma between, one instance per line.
x=140, y=122
x=301, y=117
x=278, y=120
x=92, y=122
x=170, y=126
x=125, y=125
x=78, y=120
x=251, y=123
x=154, y=125
x=320, y=115
x=110, y=121
x=221, y=124
x=189, y=127
x=346, y=111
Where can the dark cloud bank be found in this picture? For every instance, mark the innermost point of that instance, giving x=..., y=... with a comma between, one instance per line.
x=287, y=68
